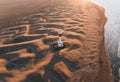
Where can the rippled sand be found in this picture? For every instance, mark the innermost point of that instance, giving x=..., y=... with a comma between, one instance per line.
x=28, y=49
x=12, y=9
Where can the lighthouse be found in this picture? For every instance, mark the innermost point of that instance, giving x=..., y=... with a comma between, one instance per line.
x=60, y=43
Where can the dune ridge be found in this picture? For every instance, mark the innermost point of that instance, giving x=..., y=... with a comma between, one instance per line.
x=27, y=52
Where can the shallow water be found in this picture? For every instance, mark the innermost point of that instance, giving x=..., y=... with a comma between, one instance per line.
x=112, y=27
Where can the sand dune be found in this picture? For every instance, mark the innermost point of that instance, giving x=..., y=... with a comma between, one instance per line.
x=12, y=9
x=28, y=52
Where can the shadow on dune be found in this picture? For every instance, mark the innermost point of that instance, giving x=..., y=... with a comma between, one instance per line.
x=18, y=63
x=33, y=77
x=3, y=77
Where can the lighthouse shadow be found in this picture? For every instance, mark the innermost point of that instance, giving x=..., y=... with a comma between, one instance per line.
x=56, y=62
x=55, y=75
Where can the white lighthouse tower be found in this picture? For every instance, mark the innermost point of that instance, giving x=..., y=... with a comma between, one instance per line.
x=60, y=43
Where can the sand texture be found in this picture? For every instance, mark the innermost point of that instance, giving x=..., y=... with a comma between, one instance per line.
x=28, y=53
x=12, y=9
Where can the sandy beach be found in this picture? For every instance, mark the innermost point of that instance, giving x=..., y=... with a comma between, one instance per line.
x=10, y=10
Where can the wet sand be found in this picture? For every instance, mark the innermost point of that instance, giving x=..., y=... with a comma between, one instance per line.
x=12, y=9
